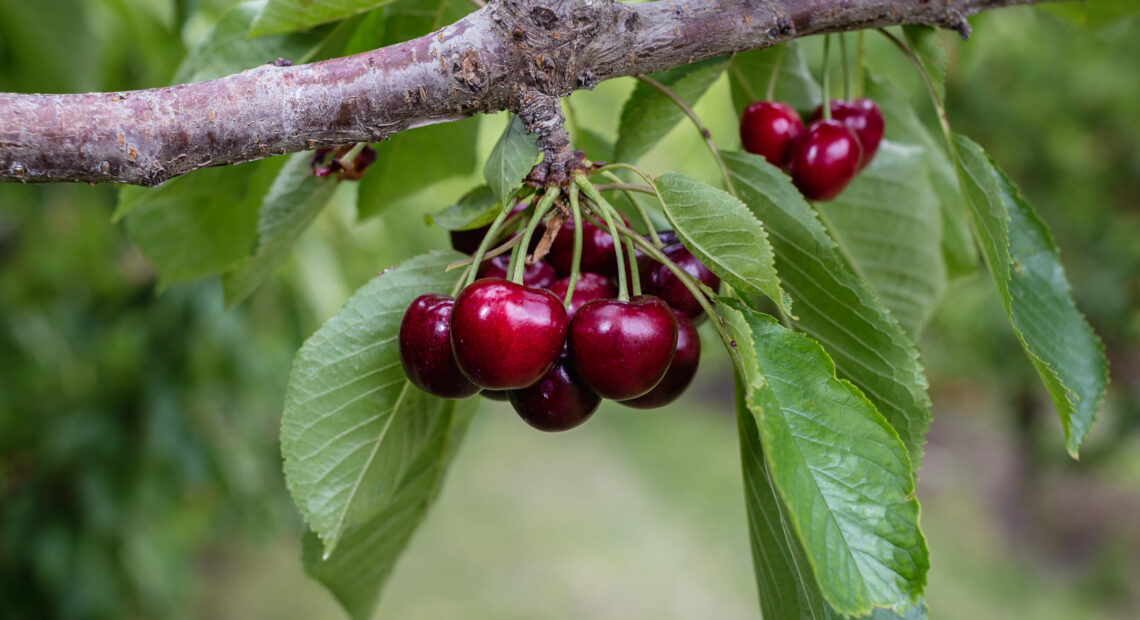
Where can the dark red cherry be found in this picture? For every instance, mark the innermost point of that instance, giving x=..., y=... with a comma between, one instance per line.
x=425, y=348
x=621, y=349
x=557, y=401
x=590, y=286
x=467, y=241
x=768, y=128
x=506, y=335
x=538, y=275
x=664, y=284
x=681, y=370
x=864, y=118
x=597, y=249
x=824, y=159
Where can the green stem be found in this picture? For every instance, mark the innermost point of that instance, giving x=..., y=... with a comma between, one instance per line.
x=650, y=227
x=576, y=256
x=770, y=93
x=826, y=78
x=477, y=258
x=634, y=269
x=461, y=281
x=515, y=256
x=860, y=66
x=846, y=67
x=607, y=212
x=621, y=186
x=539, y=213
x=638, y=171
x=503, y=247
x=938, y=107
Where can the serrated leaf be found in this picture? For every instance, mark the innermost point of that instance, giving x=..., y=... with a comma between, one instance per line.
x=410, y=161
x=197, y=225
x=281, y=16
x=352, y=426
x=1024, y=263
x=926, y=42
x=840, y=468
x=648, y=115
x=751, y=71
x=226, y=49
x=511, y=160
x=292, y=203
x=476, y=208
x=959, y=253
x=889, y=221
x=833, y=305
x=720, y=231
x=356, y=571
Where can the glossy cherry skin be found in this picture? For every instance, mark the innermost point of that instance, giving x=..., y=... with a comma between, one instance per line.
x=557, y=401
x=467, y=241
x=505, y=335
x=538, y=275
x=664, y=284
x=425, y=348
x=681, y=371
x=864, y=118
x=590, y=286
x=621, y=349
x=824, y=160
x=768, y=128
x=597, y=249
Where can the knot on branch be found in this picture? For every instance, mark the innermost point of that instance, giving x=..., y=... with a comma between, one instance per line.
x=542, y=115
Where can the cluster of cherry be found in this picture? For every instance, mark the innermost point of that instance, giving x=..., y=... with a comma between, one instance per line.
x=823, y=157
x=554, y=360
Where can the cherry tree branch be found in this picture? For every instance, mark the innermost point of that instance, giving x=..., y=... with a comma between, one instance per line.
x=520, y=55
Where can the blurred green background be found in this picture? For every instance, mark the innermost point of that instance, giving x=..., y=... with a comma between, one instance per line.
x=139, y=471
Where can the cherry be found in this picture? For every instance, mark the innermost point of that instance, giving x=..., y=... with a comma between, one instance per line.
x=590, y=286
x=621, y=349
x=664, y=284
x=769, y=128
x=597, y=249
x=505, y=335
x=557, y=402
x=824, y=159
x=864, y=118
x=681, y=370
x=467, y=241
x=538, y=275
x=425, y=348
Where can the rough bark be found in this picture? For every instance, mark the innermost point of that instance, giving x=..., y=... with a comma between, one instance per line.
x=513, y=54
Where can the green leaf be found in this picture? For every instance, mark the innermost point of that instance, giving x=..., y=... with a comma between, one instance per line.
x=280, y=16
x=1026, y=268
x=833, y=305
x=926, y=42
x=840, y=469
x=720, y=231
x=294, y=200
x=648, y=114
x=410, y=161
x=357, y=570
x=888, y=220
x=511, y=160
x=476, y=208
x=408, y=19
x=751, y=71
x=353, y=424
x=902, y=125
x=226, y=50
x=1094, y=13
x=197, y=225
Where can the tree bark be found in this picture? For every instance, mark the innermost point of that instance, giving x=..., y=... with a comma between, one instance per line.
x=513, y=54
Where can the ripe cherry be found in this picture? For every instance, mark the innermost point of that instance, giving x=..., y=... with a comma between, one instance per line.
x=597, y=249
x=621, y=349
x=467, y=241
x=681, y=370
x=425, y=348
x=864, y=118
x=557, y=401
x=664, y=284
x=505, y=335
x=590, y=286
x=769, y=128
x=538, y=275
x=824, y=159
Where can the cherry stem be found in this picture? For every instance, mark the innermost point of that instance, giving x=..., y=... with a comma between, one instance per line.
x=607, y=212
x=515, y=255
x=938, y=107
x=638, y=171
x=645, y=219
x=826, y=82
x=576, y=255
x=860, y=68
x=460, y=281
x=634, y=269
x=503, y=247
x=621, y=186
x=846, y=67
x=770, y=93
x=699, y=125
x=539, y=212
x=492, y=231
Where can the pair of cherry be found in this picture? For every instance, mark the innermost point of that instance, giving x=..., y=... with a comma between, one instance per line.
x=823, y=157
